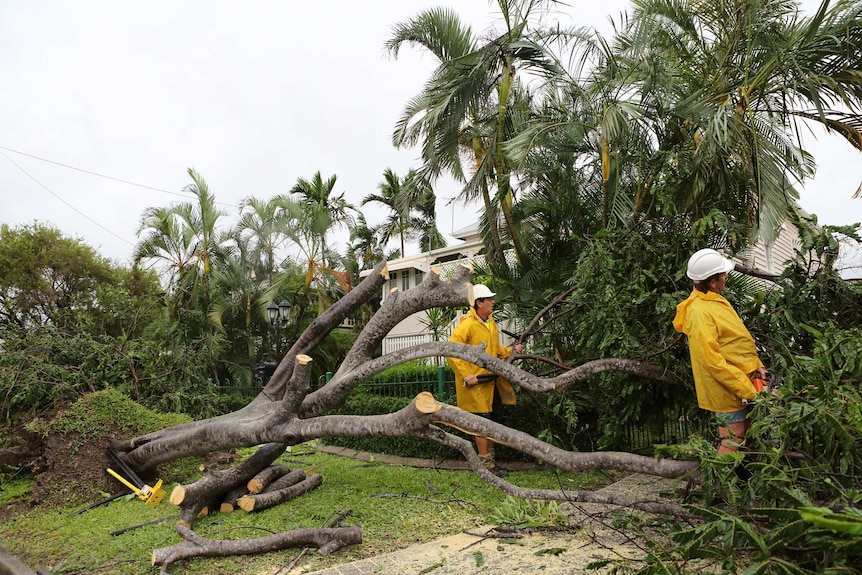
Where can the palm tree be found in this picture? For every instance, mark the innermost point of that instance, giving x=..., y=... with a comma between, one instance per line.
x=365, y=248
x=211, y=244
x=185, y=236
x=697, y=108
x=314, y=212
x=471, y=92
x=166, y=242
x=393, y=195
x=412, y=210
x=420, y=195
x=731, y=84
x=263, y=223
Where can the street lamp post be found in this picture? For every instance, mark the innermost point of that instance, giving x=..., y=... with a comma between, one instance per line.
x=279, y=315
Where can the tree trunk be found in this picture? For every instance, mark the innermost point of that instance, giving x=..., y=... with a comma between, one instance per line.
x=286, y=413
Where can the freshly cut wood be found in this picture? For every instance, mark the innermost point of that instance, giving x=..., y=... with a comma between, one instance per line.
x=425, y=403
x=178, y=495
x=222, y=481
x=267, y=499
x=286, y=480
x=265, y=477
x=228, y=505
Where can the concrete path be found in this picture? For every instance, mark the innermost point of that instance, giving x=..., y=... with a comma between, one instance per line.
x=545, y=553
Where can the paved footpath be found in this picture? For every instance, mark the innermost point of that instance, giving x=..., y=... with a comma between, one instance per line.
x=548, y=554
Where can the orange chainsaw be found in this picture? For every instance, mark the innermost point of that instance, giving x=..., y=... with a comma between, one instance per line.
x=765, y=384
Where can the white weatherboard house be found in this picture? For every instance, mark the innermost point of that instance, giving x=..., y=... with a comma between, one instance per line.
x=406, y=273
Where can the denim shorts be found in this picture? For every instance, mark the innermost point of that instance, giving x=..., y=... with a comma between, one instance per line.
x=728, y=417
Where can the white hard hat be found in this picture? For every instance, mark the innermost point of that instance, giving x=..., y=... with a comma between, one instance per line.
x=706, y=263
x=479, y=291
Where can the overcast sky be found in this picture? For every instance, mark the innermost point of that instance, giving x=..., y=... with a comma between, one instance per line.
x=251, y=94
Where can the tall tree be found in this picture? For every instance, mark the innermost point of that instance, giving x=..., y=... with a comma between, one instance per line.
x=420, y=194
x=393, y=192
x=43, y=273
x=365, y=248
x=169, y=244
x=412, y=211
x=698, y=108
x=315, y=212
x=473, y=87
x=746, y=77
x=186, y=237
x=263, y=225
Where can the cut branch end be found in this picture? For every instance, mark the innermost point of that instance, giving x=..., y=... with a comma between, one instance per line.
x=425, y=403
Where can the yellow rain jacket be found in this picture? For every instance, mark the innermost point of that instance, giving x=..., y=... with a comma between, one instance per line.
x=479, y=398
x=722, y=351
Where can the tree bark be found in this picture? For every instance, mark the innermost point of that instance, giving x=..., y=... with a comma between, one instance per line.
x=269, y=498
x=286, y=413
x=228, y=504
x=327, y=541
x=257, y=483
x=194, y=497
x=11, y=565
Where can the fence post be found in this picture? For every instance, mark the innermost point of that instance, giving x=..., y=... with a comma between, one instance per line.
x=441, y=383
x=328, y=376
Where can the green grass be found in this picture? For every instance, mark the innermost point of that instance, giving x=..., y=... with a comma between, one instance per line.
x=60, y=542
x=14, y=491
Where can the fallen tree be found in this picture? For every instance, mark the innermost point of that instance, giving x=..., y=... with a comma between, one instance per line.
x=287, y=413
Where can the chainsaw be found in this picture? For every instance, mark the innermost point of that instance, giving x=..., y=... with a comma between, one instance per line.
x=768, y=384
x=149, y=495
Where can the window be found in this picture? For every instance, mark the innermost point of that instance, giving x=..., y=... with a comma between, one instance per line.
x=405, y=280
x=393, y=281
x=418, y=277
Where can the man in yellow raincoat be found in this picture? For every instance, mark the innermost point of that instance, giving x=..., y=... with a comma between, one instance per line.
x=723, y=354
x=478, y=391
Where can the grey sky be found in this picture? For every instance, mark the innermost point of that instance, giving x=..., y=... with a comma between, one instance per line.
x=251, y=94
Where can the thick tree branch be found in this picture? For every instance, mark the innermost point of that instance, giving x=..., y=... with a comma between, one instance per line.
x=432, y=292
x=289, y=487
x=466, y=449
x=326, y=540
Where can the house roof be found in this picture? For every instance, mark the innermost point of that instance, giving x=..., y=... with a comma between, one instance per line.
x=425, y=260
x=467, y=233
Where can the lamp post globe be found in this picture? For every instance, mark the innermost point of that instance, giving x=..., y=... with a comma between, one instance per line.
x=272, y=312
x=284, y=310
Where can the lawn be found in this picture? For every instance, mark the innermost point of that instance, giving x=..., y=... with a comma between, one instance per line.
x=396, y=506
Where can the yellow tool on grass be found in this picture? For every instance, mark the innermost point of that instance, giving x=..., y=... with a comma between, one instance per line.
x=147, y=494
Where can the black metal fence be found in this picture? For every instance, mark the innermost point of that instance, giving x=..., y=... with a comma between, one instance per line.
x=440, y=382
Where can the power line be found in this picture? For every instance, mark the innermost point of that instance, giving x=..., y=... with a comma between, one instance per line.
x=61, y=164
x=47, y=189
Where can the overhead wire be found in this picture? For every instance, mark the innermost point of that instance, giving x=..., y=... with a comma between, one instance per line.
x=92, y=173
x=47, y=189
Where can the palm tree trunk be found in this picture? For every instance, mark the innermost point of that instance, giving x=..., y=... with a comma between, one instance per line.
x=490, y=213
x=501, y=167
